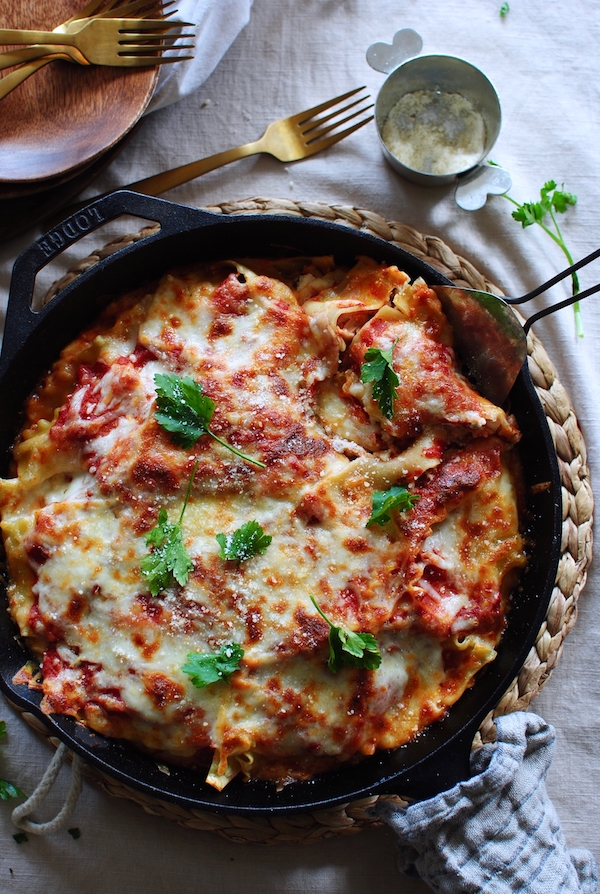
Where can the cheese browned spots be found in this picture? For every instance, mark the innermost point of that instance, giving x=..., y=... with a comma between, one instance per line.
x=278, y=347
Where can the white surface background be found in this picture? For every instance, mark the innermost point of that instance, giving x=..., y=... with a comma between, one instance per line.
x=542, y=59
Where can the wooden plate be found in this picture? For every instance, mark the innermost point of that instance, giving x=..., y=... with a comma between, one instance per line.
x=20, y=189
x=17, y=214
x=65, y=115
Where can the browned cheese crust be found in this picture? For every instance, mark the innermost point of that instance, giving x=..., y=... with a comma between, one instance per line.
x=280, y=348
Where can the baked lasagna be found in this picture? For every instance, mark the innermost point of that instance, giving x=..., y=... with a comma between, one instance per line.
x=260, y=523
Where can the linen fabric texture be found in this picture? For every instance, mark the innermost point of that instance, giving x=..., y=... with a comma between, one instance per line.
x=498, y=832
x=217, y=23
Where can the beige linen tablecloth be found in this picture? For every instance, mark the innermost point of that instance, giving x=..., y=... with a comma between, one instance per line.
x=542, y=58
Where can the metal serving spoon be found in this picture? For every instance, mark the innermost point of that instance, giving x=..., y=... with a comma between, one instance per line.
x=488, y=335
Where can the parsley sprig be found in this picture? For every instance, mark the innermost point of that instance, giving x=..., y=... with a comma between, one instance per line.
x=378, y=369
x=7, y=789
x=205, y=668
x=552, y=201
x=244, y=543
x=350, y=649
x=168, y=559
x=384, y=501
x=186, y=413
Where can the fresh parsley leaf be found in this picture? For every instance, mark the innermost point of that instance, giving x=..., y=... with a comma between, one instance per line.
x=186, y=413
x=552, y=201
x=383, y=501
x=245, y=542
x=182, y=409
x=206, y=668
x=168, y=558
x=378, y=369
x=561, y=200
x=529, y=213
x=504, y=9
x=349, y=649
x=7, y=789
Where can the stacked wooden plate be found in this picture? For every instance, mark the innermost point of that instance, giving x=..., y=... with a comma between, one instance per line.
x=63, y=125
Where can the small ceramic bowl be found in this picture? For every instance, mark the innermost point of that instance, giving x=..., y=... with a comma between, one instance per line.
x=452, y=96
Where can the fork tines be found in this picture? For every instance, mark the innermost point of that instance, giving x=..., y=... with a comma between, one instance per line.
x=152, y=8
x=313, y=128
x=153, y=38
x=120, y=9
x=154, y=57
x=152, y=26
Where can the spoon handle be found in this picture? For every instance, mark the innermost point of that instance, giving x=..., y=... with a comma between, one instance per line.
x=555, y=279
x=553, y=307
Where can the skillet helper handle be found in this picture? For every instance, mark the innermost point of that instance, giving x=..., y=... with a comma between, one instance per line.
x=21, y=319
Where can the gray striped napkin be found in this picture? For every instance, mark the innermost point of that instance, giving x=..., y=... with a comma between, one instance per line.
x=498, y=832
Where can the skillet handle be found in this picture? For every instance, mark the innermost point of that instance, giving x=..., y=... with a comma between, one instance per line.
x=20, y=318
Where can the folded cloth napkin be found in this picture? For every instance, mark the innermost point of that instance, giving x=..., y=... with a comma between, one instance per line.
x=498, y=832
x=217, y=24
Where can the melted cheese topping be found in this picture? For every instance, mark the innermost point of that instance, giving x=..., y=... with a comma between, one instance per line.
x=278, y=348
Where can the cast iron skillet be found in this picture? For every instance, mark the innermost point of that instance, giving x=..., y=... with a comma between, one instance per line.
x=438, y=758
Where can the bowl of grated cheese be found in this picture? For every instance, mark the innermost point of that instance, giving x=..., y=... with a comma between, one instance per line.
x=437, y=117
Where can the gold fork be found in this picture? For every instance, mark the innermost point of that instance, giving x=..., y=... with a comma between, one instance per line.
x=108, y=41
x=98, y=8
x=289, y=139
x=42, y=56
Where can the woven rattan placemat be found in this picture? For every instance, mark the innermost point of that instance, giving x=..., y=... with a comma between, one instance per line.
x=576, y=546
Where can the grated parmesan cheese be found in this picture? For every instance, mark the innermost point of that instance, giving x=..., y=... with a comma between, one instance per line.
x=435, y=132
